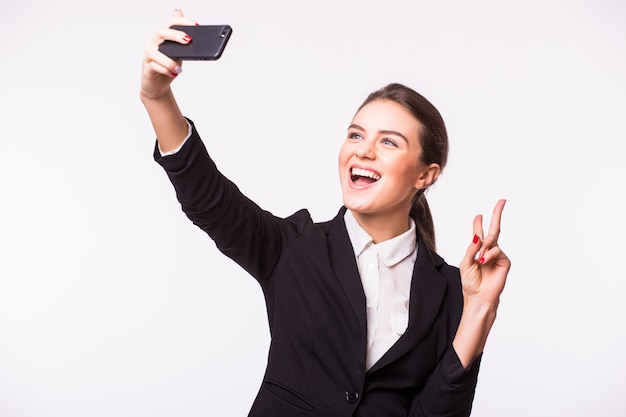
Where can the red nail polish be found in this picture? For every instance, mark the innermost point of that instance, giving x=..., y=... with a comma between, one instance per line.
x=481, y=261
x=173, y=74
x=475, y=240
x=187, y=38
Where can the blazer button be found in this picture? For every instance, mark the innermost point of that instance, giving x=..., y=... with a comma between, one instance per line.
x=352, y=397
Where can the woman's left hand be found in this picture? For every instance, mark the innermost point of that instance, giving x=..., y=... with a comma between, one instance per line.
x=485, y=267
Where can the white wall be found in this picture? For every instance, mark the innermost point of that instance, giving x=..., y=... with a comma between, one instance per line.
x=112, y=303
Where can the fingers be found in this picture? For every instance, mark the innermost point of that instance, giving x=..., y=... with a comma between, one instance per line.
x=158, y=70
x=160, y=63
x=478, y=226
x=177, y=14
x=494, y=226
x=495, y=256
x=157, y=62
x=473, y=249
x=178, y=19
x=174, y=35
x=482, y=244
x=164, y=68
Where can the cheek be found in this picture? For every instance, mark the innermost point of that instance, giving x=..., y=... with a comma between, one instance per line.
x=344, y=155
x=405, y=170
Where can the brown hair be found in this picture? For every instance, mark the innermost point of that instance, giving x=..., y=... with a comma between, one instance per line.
x=433, y=139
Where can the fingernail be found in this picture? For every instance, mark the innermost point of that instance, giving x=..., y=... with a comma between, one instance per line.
x=173, y=74
x=481, y=261
x=475, y=240
x=187, y=38
x=197, y=24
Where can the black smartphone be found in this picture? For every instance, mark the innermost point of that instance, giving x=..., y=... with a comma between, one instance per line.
x=207, y=43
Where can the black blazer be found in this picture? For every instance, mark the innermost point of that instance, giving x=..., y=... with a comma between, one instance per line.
x=316, y=308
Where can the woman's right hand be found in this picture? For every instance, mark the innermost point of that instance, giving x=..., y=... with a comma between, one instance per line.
x=158, y=70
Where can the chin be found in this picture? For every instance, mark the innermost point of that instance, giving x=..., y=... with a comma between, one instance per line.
x=357, y=208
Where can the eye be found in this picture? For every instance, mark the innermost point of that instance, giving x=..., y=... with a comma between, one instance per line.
x=355, y=136
x=389, y=142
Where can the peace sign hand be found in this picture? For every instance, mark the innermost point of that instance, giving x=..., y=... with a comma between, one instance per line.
x=485, y=267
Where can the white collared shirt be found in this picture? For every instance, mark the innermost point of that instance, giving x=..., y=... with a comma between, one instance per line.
x=386, y=270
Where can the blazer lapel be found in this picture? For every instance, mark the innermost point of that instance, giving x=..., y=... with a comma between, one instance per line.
x=344, y=265
x=427, y=292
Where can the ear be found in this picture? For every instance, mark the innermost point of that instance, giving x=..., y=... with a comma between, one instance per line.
x=428, y=176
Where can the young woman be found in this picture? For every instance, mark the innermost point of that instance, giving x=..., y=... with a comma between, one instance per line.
x=365, y=318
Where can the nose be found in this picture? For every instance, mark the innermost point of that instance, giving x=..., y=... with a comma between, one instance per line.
x=365, y=150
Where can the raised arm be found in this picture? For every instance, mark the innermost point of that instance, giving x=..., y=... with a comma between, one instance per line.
x=158, y=72
x=483, y=274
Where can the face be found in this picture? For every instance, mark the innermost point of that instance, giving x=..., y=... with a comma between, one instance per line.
x=379, y=162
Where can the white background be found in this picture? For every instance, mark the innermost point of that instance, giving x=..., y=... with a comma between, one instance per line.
x=113, y=303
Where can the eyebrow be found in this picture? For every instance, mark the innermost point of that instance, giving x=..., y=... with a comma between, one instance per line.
x=384, y=132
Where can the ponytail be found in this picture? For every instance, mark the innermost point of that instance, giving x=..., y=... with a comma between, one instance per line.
x=421, y=215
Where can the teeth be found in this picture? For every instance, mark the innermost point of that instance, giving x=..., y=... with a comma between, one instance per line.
x=365, y=173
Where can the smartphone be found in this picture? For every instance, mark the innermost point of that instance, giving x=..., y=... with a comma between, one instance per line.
x=207, y=43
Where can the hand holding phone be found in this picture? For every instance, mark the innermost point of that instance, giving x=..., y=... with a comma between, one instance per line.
x=207, y=43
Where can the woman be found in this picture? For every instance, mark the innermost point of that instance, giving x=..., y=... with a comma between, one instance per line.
x=365, y=318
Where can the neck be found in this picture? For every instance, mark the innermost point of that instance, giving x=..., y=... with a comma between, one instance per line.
x=383, y=227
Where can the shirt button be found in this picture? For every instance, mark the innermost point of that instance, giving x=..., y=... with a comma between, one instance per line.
x=352, y=397
x=370, y=305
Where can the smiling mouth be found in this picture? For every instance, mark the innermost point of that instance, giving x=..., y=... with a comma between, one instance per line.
x=363, y=176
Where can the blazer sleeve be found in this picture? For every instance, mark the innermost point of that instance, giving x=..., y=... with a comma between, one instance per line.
x=241, y=230
x=449, y=391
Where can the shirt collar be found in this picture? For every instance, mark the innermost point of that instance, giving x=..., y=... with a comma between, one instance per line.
x=391, y=251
